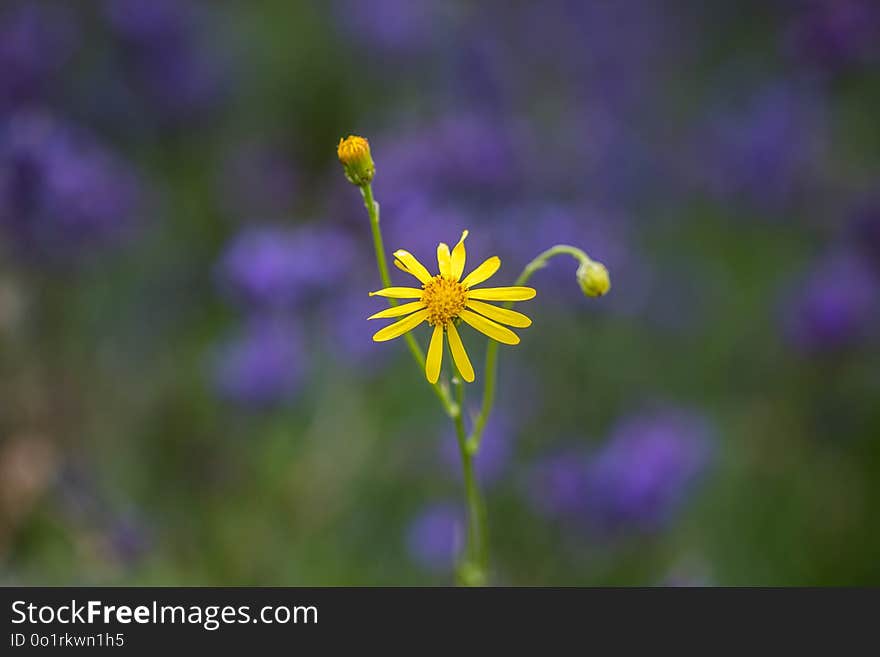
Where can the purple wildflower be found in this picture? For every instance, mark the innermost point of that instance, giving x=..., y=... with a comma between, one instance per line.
x=557, y=484
x=767, y=151
x=435, y=538
x=35, y=43
x=460, y=154
x=261, y=367
x=129, y=538
x=164, y=60
x=60, y=191
x=834, y=34
x=392, y=26
x=834, y=305
x=146, y=23
x=350, y=332
x=643, y=474
x=270, y=266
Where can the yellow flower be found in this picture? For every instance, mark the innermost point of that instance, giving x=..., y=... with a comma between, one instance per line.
x=446, y=299
x=354, y=154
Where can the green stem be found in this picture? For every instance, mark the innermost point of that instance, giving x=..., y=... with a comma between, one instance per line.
x=474, y=568
x=372, y=206
x=539, y=262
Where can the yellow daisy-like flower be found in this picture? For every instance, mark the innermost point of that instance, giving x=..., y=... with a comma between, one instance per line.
x=446, y=299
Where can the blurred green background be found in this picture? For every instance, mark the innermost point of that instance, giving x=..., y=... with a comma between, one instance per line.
x=189, y=394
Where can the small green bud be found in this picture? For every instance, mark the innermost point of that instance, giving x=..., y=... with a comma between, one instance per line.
x=593, y=278
x=354, y=153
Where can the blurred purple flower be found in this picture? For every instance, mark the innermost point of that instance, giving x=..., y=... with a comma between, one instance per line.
x=557, y=484
x=184, y=86
x=61, y=192
x=493, y=457
x=258, y=179
x=834, y=305
x=129, y=538
x=483, y=70
x=262, y=366
x=275, y=267
x=466, y=154
x=151, y=23
x=608, y=156
x=35, y=43
x=768, y=151
x=643, y=474
x=865, y=228
x=178, y=75
x=349, y=332
x=473, y=151
x=393, y=26
x=435, y=538
x=833, y=34
x=616, y=52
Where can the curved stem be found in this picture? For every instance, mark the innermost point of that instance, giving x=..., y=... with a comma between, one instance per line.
x=539, y=262
x=442, y=393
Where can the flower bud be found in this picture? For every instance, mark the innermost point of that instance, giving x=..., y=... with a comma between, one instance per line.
x=354, y=153
x=593, y=278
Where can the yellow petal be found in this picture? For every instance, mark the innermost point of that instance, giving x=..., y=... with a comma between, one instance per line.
x=435, y=355
x=456, y=268
x=503, y=293
x=503, y=315
x=490, y=328
x=397, y=311
x=459, y=355
x=400, y=327
x=401, y=266
x=413, y=266
x=398, y=293
x=483, y=272
x=444, y=260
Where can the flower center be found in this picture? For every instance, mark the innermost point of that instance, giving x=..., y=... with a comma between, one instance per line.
x=444, y=300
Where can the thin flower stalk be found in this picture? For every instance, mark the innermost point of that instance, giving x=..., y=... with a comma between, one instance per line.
x=446, y=301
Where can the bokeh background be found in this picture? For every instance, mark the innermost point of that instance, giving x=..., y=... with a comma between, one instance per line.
x=188, y=390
